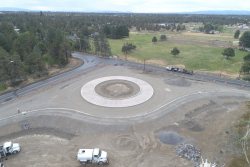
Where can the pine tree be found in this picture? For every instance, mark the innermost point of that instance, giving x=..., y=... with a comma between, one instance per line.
x=97, y=44
x=245, y=40
x=228, y=52
x=154, y=39
x=175, y=51
x=237, y=34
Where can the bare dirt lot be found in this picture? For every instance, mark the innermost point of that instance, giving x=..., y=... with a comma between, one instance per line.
x=61, y=122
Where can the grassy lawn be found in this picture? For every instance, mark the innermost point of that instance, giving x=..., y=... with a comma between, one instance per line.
x=192, y=56
x=2, y=87
x=221, y=37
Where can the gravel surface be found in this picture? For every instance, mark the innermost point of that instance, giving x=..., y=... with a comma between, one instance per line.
x=177, y=82
x=188, y=151
x=170, y=137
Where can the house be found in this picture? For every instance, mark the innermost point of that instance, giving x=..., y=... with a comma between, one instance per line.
x=214, y=32
x=243, y=26
x=74, y=37
x=17, y=31
x=163, y=25
x=94, y=34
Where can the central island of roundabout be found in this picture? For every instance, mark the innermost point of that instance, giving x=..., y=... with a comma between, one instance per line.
x=117, y=91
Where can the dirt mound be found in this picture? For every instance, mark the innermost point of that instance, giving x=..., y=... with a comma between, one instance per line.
x=170, y=137
x=124, y=143
x=177, y=82
x=117, y=89
x=194, y=126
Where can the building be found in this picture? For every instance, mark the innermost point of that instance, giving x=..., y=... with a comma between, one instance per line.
x=94, y=34
x=243, y=26
x=17, y=31
x=74, y=37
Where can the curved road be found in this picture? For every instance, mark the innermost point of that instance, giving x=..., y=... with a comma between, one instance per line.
x=91, y=62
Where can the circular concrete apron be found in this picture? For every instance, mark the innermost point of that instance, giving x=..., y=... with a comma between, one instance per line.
x=89, y=94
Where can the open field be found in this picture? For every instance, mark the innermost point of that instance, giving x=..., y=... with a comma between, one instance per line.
x=193, y=57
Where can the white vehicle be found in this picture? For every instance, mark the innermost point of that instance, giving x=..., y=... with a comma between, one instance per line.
x=96, y=156
x=169, y=68
x=9, y=148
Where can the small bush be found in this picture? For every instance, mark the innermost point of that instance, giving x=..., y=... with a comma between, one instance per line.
x=246, y=78
x=3, y=87
x=16, y=83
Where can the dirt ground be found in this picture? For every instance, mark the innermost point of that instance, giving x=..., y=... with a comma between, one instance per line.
x=55, y=136
x=117, y=89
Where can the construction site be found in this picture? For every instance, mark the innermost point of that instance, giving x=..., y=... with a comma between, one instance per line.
x=138, y=117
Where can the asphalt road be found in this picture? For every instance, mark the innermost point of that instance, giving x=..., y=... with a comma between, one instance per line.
x=90, y=63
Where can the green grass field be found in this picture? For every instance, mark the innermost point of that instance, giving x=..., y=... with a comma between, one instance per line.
x=2, y=87
x=193, y=57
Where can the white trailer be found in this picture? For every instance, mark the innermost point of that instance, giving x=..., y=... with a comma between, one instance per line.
x=9, y=148
x=96, y=156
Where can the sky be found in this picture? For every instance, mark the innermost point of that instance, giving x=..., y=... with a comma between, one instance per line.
x=136, y=6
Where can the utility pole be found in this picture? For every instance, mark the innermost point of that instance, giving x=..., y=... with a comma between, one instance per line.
x=80, y=44
x=144, y=66
x=126, y=51
x=222, y=65
x=240, y=69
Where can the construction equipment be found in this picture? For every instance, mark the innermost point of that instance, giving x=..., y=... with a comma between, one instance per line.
x=9, y=148
x=96, y=156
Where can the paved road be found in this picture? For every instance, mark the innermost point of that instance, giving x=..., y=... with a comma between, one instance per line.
x=91, y=62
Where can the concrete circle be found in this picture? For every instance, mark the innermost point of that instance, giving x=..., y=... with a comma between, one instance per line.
x=117, y=89
x=89, y=94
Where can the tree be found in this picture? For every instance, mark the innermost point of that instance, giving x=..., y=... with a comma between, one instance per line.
x=42, y=47
x=245, y=40
x=163, y=38
x=154, y=39
x=208, y=27
x=178, y=28
x=65, y=50
x=247, y=57
x=237, y=34
x=11, y=67
x=175, y=51
x=19, y=49
x=37, y=52
x=138, y=27
x=246, y=67
x=128, y=47
x=97, y=44
x=228, y=52
x=104, y=47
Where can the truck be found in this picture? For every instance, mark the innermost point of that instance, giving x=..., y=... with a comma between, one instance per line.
x=96, y=156
x=1, y=164
x=175, y=69
x=9, y=148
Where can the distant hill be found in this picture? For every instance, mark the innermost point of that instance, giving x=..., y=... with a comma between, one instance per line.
x=209, y=12
x=220, y=12
x=12, y=9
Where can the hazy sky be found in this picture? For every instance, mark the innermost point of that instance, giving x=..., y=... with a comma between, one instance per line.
x=137, y=6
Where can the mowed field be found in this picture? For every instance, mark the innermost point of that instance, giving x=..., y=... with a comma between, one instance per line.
x=192, y=56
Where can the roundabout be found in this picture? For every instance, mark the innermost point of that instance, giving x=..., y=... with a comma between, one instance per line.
x=117, y=91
